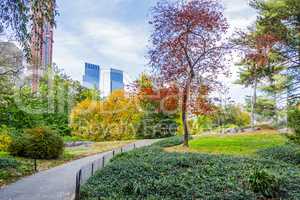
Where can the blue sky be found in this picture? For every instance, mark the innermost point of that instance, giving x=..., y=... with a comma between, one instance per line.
x=115, y=33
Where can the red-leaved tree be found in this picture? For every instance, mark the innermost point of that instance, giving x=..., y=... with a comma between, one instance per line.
x=187, y=47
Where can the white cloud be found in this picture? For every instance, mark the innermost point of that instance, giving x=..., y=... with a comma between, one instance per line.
x=104, y=42
x=240, y=15
x=114, y=40
x=89, y=31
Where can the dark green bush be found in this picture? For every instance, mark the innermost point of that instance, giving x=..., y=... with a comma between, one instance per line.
x=38, y=143
x=264, y=183
x=153, y=174
x=289, y=153
x=11, y=169
x=157, y=125
x=294, y=123
x=172, y=141
x=7, y=163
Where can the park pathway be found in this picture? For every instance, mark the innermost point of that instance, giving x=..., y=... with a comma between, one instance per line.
x=54, y=184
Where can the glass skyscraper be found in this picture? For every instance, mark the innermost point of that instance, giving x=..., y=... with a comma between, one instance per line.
x=116, y=79
x=104, y=80
x=91, y=78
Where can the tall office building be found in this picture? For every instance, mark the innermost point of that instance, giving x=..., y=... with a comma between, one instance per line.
x=111, y=79
x=91, y=77
x=41, y=48
x=105, y=80
x=116, y=79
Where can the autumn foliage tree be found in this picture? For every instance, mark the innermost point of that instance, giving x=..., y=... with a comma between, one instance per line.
x=187, y=48
x=256, y=49
x=159, y=107
x=111, y=119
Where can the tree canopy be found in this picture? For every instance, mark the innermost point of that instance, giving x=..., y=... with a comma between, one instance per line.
x=186, y=47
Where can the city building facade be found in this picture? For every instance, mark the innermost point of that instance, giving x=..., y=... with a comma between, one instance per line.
x=41, y=48
x=91, y=77
x=116, y=79
x=104, y=80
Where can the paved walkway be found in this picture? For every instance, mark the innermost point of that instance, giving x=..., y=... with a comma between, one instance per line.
x=54, y=184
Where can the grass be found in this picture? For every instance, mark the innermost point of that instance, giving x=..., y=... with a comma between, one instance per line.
x=151, y=173
x=25, y=166
x=240, y=144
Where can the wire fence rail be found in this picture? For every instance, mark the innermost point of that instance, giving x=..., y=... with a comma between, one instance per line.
x=89, y=170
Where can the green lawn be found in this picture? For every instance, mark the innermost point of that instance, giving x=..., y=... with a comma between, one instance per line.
x=241, y=144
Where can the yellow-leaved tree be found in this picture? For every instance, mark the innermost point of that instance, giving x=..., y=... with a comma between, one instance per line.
x=114, y=118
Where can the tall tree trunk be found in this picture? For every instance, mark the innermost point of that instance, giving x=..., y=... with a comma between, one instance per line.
x=253, y=106
x=184, y=114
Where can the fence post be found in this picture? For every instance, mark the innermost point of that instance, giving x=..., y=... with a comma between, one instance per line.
x=77, y=186
x=121, y=149
x=92, y=168
x=113, y=152
x=134, y=146
x=103, y=160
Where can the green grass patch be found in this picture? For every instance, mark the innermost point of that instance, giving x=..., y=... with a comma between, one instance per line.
x=3, y=154
x=151, y=173
x=72, y=138
x=241, y=144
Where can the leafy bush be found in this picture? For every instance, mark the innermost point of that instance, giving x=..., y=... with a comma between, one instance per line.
x=5, y=140
x=72, y=138
x=38, y=143
x=289, y=153
x=264, y=183
x=173, y=141
x=157, y=125
x=4, y=154
x=231, y=115
x=11, y=169
x=200, y=124
x=153, y=174
x=294, y=123
x=6, y=163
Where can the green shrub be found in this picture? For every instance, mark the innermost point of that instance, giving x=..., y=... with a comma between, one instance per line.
x=11, y=169
x=173, y=141
x=152, y=174
x=264, y=183
x=38, y=143
x=157, y=125
x=72, y=138
x=199, y=124
x=4, y=154
x=5, y=141
x=7, y=163
x=289, y=153
x=294, y=123
x=231, y=115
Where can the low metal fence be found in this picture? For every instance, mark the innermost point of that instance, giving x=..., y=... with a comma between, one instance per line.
x=89, y=170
